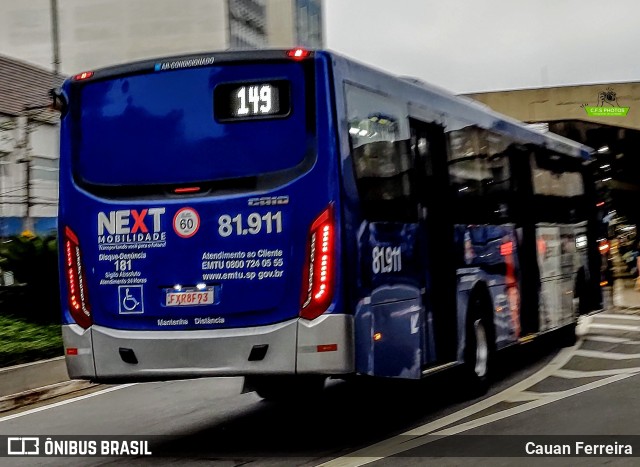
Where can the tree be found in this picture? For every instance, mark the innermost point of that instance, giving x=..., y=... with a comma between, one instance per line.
x=34, y=263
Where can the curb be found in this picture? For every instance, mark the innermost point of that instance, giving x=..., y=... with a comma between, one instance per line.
x=27, y=376
x=15, y=401
x=29, y=383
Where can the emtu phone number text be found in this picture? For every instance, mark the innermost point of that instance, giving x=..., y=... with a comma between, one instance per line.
x=243, y=264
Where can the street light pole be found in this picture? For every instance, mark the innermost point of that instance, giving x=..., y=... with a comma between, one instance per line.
x=55, y=37
x=25, y=158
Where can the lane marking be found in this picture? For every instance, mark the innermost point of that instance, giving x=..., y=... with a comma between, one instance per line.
x=65, y=402
x=422, y=440
x=370, y=453
x=531, y=405
x=574, y=374
x=610, y=340
x=617, y=316
x=558, y=362
x=526, y=396
x=615, y=327
x=630, y=309
x=606, y=355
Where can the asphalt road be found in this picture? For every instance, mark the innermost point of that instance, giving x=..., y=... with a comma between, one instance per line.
x=590, y=388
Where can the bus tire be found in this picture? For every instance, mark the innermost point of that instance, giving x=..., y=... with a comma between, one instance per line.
x=478, y=349
x=579, y=293
x=287, y=388
x=566, y=335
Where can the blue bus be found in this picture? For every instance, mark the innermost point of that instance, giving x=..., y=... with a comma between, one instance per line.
x=293, y=215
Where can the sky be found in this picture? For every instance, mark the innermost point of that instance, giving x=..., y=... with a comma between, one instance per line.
x=485, y=45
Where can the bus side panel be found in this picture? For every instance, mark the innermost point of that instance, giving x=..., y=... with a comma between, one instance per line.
x=390, y=319
x=325, y=345
x=490, y=254
x=559, y=262
x=389, y=333
x=382, y=262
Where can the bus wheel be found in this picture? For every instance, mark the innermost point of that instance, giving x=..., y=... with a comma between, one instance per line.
x=567, y=335
x=477, y=355
x=287, y=388
x=580, y=305
x=481, y=368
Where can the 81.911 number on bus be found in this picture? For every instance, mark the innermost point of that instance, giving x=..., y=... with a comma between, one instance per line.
x=253, y=224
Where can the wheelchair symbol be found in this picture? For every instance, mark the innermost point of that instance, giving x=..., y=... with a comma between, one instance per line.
x=130, y=299
x=128, y=302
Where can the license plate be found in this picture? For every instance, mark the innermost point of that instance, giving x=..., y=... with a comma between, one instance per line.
x=190, y=297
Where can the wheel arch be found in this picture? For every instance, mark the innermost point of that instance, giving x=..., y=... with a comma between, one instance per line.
x=479, y=302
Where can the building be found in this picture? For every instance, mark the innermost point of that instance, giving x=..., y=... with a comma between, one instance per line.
x=69, y=36
x=28, y=149
x=295, y=23
x=604, y=116
x=76, y=35
x=247, y=21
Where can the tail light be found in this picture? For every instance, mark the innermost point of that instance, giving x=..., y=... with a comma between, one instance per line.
x=76, y=283
x=319, y=269
x=186, y=189
x=82, y=76
x=603, y=246
x=298, y=53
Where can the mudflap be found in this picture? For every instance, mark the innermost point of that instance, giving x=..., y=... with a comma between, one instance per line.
x=390, y=333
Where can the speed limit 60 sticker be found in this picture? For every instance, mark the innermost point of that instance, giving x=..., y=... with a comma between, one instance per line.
x=186, y=222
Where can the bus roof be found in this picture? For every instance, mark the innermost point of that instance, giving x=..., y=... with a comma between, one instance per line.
x=414, y=90
x=459, y=107
x=179, y=62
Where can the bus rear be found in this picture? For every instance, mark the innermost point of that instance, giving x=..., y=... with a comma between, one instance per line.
x=199, y=219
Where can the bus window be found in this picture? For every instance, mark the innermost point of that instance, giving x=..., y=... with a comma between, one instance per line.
x=497, y=163
x=466, y=167
x=379, y=136
x=480, y=174
x=216, y=119
x=558, y=186
x=550, y=179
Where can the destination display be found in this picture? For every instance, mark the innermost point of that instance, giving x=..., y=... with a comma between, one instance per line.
x=253, y=100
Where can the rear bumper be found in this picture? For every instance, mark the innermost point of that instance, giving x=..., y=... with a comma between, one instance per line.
x=293, y=346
